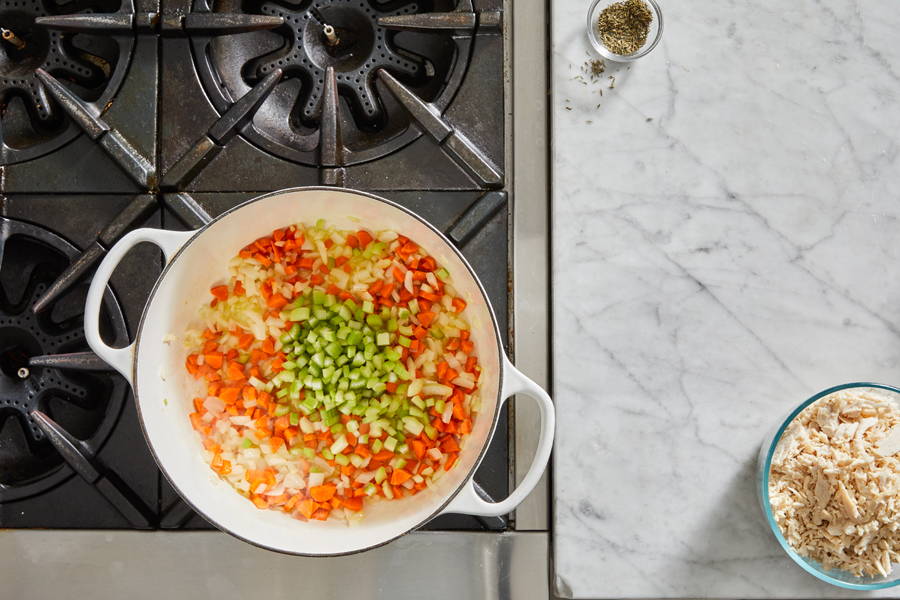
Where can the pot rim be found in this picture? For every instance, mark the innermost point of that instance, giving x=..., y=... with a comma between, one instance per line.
x=501, y=354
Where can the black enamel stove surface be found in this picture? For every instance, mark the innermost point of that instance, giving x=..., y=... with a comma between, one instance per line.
x=115, y=116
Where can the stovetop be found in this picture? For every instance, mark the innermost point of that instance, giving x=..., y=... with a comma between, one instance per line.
x=119, y=116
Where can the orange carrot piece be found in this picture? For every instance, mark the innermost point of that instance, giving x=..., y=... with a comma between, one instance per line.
x=399, y=476
x=322, y=493
x=418, y=448
x=220, y=292
x=229, y=395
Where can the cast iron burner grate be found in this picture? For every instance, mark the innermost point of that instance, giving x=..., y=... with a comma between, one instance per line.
x=340, y=36
x=91, y=64
x=86, y=404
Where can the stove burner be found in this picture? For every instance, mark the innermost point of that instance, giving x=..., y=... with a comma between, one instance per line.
x=86, y=404
x=340, y=35
x=92, y=64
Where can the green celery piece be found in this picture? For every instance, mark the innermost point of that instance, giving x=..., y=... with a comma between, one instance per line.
x=442, y=274
x=380, y=474
x=405, y=330
x=308, y=453
x=404, y=341
x=368, y=307
x=333, y=349
x=282, y=410
x=294, y=419
x=330, y=300
x=392, y=325
x=246, y=443
x=374, y=321
x=342, y=459
x=320, y=313
x=299, y=314
x=383, y=338
x=318, y=297
x=345, y=313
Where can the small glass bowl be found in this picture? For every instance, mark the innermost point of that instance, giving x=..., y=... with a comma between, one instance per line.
x=764, y=464
x=653, y=36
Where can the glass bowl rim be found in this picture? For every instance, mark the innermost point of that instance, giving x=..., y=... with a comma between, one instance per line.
x=767, y=506
x=608, y=54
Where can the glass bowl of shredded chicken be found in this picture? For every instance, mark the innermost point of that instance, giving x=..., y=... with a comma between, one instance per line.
x=828, y=480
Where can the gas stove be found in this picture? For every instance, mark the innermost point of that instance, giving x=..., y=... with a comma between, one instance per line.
x=117, y=114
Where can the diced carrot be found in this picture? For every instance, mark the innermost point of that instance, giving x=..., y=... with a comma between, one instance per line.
x=268, y=346
x=276, y=301
x=354, y=504
x=197, y=421
x=426, y=318
x=238, y=289
x=306, y=507
x=245, y=340
x=213, y=359
x=449, y=445
x=399, y=476
x=364, y=238
x=352, y=241
x=451, y=460
x=459, y=304
x=220, y=292
x=322, y=493
x=259, y=501
x=235, y=371
x=321, y=514
x=229, y=395
x=383, y=455
x=418, y=448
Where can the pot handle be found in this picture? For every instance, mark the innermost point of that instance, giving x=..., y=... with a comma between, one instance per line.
x=467, y=501
x=121, y=358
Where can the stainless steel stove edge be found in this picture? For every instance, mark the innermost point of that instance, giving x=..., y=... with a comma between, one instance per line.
x=107, y=565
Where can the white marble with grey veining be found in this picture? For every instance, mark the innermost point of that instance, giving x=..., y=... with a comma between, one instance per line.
x=726, y=232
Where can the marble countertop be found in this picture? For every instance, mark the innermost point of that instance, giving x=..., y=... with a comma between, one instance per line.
x=725, y=226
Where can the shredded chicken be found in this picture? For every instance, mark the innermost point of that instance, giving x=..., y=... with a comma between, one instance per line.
x=834, y=486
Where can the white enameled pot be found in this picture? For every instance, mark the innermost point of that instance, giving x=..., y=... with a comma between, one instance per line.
x=154, y=365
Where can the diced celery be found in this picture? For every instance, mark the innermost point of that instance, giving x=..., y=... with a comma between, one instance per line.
x=299, y=314
x=342, y=459
x=380, y=474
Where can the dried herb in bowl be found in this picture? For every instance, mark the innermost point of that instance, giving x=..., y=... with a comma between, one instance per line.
x=623, y=26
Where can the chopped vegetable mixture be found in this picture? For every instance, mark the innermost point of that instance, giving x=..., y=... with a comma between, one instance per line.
x=338, y=368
